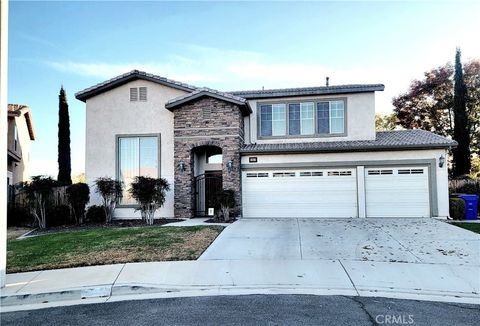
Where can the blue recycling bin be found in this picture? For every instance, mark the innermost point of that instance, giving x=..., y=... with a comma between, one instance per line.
x=471, y=206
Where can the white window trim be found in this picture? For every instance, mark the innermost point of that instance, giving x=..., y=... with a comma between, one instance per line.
x=117, y=158
x=316, y=133
x=303, y=106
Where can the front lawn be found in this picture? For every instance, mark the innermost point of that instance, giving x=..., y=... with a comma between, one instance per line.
x=109, y=246
x=474, y=227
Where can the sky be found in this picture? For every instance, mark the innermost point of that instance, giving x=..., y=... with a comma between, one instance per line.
x=225, y=46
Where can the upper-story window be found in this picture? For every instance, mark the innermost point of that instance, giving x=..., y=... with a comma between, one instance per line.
x=15, y=138
x=302, y=118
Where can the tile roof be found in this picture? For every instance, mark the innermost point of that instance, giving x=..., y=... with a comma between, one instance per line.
x=16, y=108
x=386, y=140
x=304, y=91
x=204, y=91
x=125, y=78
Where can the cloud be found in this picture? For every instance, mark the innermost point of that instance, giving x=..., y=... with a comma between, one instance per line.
x=227, y=69
x=107, y=70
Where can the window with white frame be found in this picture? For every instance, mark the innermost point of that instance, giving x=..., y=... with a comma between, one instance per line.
x=137, y=156
x=302, y=119
x=273, y=119
x=15, y=139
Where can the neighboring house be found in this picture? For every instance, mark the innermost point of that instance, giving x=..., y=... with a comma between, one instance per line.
x=20, y=135
x=297, y=152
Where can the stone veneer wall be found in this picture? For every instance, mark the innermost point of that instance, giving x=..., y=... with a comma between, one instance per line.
x=206, y=121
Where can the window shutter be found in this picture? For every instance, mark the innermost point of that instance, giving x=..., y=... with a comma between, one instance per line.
x=143, y=93
x=133, y=94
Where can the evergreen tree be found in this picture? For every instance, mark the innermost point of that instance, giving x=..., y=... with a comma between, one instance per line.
x=461, y=154
x=64, y=161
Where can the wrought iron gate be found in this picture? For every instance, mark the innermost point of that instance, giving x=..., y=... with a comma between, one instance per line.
x=206, y=186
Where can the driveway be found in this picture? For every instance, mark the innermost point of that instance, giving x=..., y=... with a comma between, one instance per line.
x=380, y=240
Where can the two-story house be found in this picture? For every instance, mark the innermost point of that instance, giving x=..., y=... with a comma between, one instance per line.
x=20, y=134
x=308, y=152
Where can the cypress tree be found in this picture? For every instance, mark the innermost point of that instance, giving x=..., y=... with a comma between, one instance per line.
x=461, y=154
x=64, y=161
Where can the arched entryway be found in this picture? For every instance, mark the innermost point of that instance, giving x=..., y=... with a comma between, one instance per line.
x=207, y=174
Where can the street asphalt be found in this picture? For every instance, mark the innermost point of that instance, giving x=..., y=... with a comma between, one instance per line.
x=254, y=310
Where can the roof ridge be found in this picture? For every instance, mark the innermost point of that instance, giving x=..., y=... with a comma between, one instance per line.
x=308, y=87
x=83, y=94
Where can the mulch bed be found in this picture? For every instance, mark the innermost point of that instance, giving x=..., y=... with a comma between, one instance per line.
x=215, y=220
x=113, y=224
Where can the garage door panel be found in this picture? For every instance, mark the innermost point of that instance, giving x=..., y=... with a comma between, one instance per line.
x=322, y=195
x=402, y=193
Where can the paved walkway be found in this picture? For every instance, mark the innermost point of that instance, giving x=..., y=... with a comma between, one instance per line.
x=196, y=278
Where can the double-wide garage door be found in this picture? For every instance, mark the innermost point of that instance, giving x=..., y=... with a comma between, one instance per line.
x=323, y=193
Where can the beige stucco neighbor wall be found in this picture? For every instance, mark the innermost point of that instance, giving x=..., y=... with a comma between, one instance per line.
x=359, y=159
x=360, y=114
x=110, y=114
x=20, y=170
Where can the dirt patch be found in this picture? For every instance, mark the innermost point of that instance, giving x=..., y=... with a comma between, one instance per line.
x=217, y=220
x=15, y=232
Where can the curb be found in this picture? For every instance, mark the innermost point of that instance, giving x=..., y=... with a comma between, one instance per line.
x=100, y=291
x=149, y=291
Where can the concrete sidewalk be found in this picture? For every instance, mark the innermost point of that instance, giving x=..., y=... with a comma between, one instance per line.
x=434, y=282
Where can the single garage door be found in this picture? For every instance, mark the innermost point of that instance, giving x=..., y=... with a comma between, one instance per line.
x=397, y=192
x=314, y=193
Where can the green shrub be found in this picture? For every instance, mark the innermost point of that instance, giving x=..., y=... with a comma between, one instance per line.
x=58, y=215
x=471, y=188
x=150, y=193
x=224, y=201
x=111, y=192
x=39, y=194
x=95, y=214
x=457, y=208
x=78, y=196
x=19, y=216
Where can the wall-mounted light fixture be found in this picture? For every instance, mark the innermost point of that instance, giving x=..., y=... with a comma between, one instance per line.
x=441, y=161
x=230, y=166
x=181, y=166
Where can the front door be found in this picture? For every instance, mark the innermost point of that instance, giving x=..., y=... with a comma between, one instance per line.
x=207, y=185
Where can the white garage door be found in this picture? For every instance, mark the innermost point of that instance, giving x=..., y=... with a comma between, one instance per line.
x=300, y=193
x=397, y=192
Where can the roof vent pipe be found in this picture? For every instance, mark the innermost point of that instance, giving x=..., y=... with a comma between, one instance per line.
x=326, y=81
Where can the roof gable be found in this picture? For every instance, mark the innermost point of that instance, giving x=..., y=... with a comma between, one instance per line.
x=16, y=110
x=208, y=92
x=107, y=85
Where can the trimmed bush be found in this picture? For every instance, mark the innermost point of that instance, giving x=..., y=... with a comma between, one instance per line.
x=39, y=195
x=150, y=193
x=19, y=216
x=78, y=195
x=457, y=208
x=224, y=201
x=111, y=192
x=95, y=214
x=58, y=215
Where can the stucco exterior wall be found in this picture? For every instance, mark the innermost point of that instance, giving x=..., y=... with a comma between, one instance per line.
x=20, y=170
x=360, y=118
x=110, y=114
x=363, y=159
